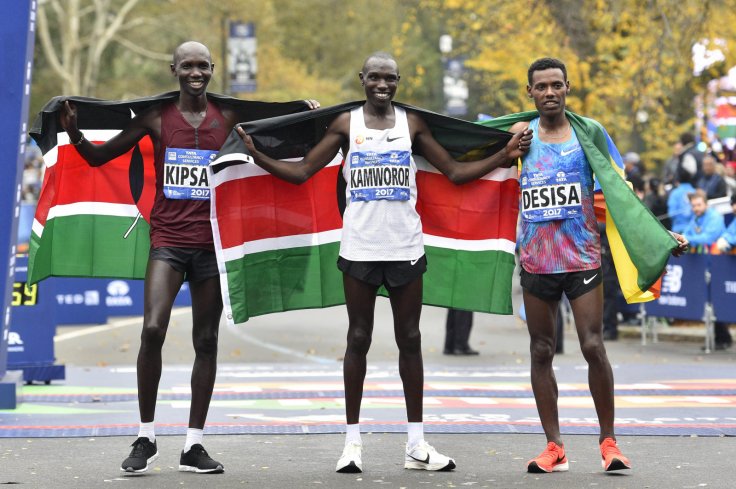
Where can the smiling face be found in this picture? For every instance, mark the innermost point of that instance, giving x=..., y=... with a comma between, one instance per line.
x=380, y=77
x=193, y=67
x=549, y=89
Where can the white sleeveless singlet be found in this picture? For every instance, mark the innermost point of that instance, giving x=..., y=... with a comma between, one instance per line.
x=380, y=221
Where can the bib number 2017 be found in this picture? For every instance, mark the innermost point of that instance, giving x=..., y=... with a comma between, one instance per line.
x=384, y=192
x=200, y=192
x=551, y=212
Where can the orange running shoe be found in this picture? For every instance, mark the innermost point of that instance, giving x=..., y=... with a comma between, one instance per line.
x=552, y=459
x=612, y=458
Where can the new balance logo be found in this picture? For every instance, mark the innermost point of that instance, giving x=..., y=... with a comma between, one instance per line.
x=390, y=139
x=565, y=153
x=586, y=281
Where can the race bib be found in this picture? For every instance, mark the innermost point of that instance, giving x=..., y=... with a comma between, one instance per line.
x=550, y=197
x=380, y=176
x=185, y=173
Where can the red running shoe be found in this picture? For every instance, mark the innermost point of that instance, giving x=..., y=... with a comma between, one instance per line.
x=612, y=458
x=552, y=459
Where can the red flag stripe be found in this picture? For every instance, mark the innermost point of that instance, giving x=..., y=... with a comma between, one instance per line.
x=109, y=183
x=448, y=210
x=299, y=209
x=482, y=209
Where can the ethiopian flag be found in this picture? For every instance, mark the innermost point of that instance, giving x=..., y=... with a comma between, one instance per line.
x=93, y=222
x=640, y=245
x=277, y=243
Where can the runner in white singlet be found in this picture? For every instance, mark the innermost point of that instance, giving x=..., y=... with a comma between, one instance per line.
x=382, y=240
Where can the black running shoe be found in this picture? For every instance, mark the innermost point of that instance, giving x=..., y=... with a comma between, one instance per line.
x=144, y=453
x=197, y=460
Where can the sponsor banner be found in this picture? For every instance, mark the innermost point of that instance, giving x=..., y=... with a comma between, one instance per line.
x=684, y=291
x=242, y=63
x=723, y=286
x=17, y=31
x=32, y=327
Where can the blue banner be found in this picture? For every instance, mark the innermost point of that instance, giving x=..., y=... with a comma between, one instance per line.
x=77, y=300
x=684, y=290
x=242, y=64
x=17, y=29
x=723, y=287
x=32, y=328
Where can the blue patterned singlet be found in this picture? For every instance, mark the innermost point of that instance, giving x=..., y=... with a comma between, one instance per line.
x=559, y=232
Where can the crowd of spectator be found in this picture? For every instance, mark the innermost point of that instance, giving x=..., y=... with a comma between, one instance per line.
x=680, y=195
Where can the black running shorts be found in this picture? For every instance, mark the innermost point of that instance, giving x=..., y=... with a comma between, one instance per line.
x=388, y=273
x=550, y=286
x=195, y=263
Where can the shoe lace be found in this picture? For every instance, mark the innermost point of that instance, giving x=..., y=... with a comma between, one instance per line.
x=423, y=446
x=139, y=447
x=609, y=448
x=551, y=453
x=352, y=448
x=199, y=449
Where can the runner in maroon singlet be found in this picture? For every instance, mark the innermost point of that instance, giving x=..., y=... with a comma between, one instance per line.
x=190, y=129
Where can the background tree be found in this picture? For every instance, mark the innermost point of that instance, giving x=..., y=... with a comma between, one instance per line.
x=629, y=61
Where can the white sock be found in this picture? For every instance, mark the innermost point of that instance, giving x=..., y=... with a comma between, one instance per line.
x=416, y=433
x=194, y=436
x=353, y=434
x=147, y=430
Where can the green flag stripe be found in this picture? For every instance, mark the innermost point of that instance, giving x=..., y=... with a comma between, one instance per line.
x=307, y=277
x=90, y=246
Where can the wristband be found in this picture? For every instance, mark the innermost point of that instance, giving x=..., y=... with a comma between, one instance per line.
x=81, y=140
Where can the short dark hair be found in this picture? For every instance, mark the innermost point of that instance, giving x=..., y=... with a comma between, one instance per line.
x=380, y=55
x=637, y=182
x=684, y=176
x=686, y=138
x=546, y=64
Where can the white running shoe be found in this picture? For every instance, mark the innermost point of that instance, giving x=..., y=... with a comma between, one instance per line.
x=423, y=456
x=350, y=461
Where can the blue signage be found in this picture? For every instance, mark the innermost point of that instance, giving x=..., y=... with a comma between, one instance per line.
x=684, y=290
x=17, y=29
x=242, y=64
x=723, y=287
x=32, y=328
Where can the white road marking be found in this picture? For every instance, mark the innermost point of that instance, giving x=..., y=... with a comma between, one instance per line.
x=116, y=324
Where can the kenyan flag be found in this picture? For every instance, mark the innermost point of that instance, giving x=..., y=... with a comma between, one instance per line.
x=92, y=222
x=278, y=243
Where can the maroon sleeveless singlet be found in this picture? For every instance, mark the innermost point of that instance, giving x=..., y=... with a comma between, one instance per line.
x=184, y=223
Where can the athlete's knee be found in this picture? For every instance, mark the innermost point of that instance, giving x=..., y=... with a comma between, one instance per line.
x=542, y=350
x=359, y=341
x=592, y=348
x=205, y=343
x=153, y=334
x=409, y=341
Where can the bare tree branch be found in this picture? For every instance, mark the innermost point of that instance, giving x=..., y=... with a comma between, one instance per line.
x=142, y=51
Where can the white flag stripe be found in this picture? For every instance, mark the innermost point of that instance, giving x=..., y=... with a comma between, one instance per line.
x=62, y=138
x=37, y=228
x=93, y=208
x=470, y=244
x=316, y=239
x=282, y=243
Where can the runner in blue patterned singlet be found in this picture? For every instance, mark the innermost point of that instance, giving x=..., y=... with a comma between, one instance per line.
x=560, y=252
x=559, y=232
x=382, y=239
